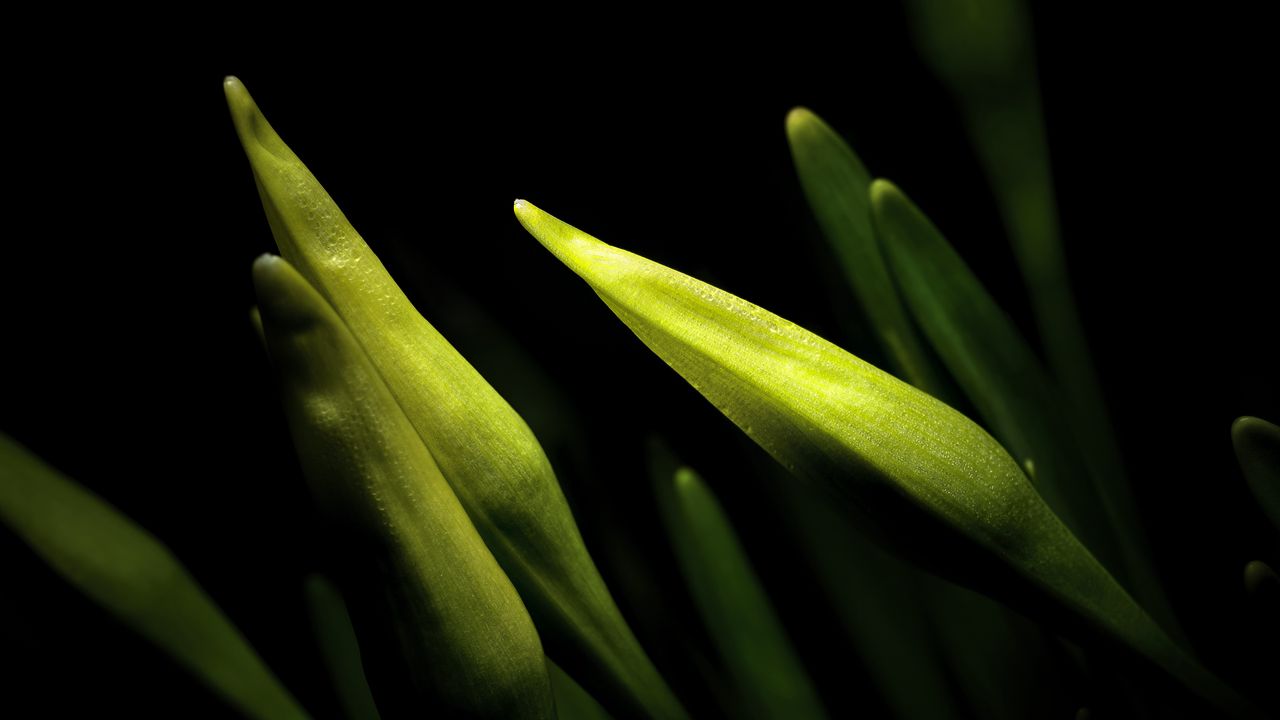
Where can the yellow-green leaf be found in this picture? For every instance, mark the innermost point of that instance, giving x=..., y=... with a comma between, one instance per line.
x=485, y=450
x=1257, y=444
x=924, y=478
x=837, y=186
x=766, y=671
x=421, y=582
x=125, y=569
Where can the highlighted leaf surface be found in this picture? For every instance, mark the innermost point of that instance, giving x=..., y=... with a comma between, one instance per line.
x=929, y=481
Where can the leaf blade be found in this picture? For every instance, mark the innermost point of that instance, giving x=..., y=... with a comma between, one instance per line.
x=483, y=447
x=1002, y=377
x=733, y=603
x=132, y=574
x=1257, y=446
x=422, y=580
x=931, y=482
x=837, y=185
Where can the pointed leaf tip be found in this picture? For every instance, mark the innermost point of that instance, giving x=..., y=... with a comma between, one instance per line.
x=486, y=452
x=582, y=253
x=282, y=293
x=800, y=119
x=884, y=192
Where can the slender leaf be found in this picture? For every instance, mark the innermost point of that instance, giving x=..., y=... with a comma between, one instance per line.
x=486, y=451
x=340, y=648
x=766, y=671
x=929, y=482
x=1004, y=380
x=133, y=575
x=983, y=51
x=837, y=187
x=1257, y=444
x=422, y=583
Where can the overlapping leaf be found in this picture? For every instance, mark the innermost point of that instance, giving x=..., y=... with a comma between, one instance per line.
x=424, y=585
x=484, y=449
x=1257, y=444
x=837, y=186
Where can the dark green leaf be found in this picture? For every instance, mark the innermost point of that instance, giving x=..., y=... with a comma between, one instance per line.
x=753, y=645
x=1257, y=444
x=1002, y=377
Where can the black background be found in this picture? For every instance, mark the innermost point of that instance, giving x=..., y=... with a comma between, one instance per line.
x=129, y=362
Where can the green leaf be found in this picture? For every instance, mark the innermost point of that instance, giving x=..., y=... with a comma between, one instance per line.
x=1002, y=377
x=133, y=575
x=988, y=357
x=572, y=702
x=341, y=649
x=837, y=187
x=420, y=578
x=1257, y=444
x=487, y=453
x=926, y=480
x=982, y=50
x=765, y=669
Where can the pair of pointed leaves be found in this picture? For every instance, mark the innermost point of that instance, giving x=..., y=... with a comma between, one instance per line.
x=909, y=261
x=484, y=450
